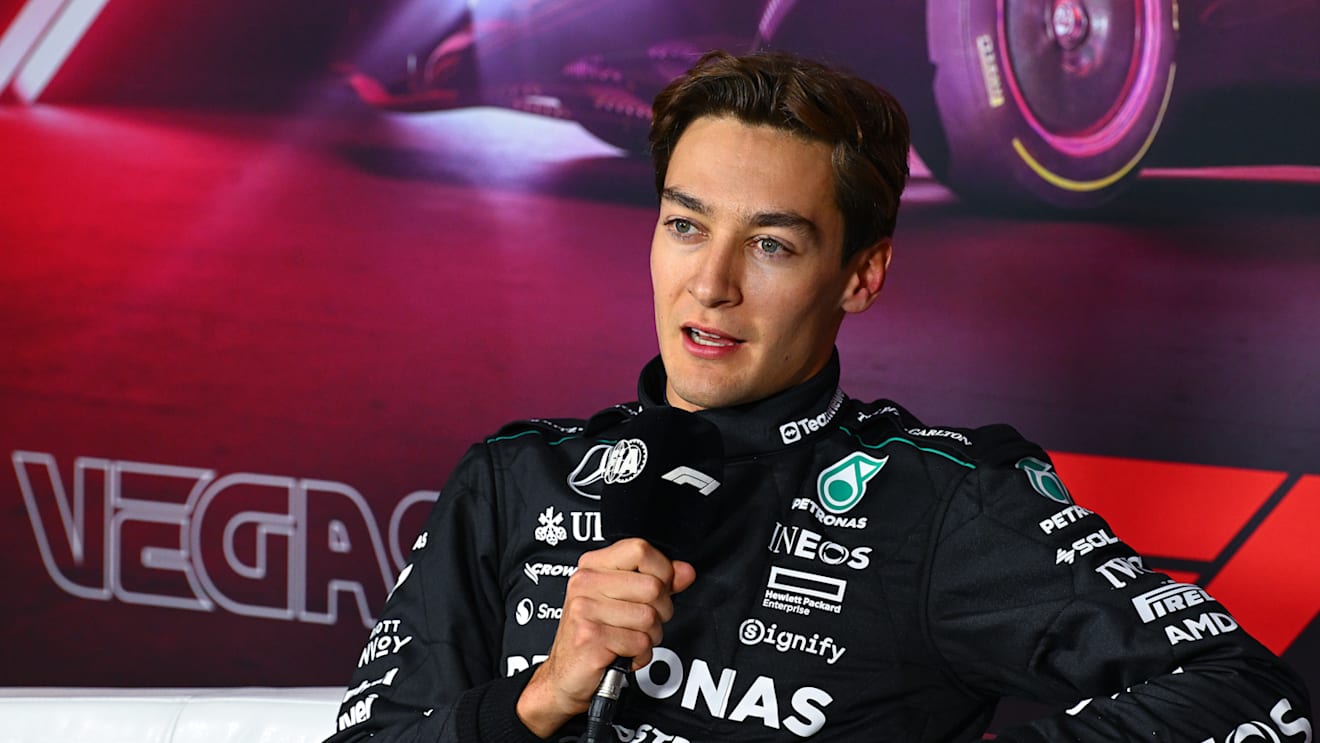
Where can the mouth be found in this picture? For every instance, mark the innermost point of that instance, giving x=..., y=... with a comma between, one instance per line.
x=709, y=339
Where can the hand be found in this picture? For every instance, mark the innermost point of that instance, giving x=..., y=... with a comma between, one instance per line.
x=614, y=607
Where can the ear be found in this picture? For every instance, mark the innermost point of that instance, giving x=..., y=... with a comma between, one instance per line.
x=866, y=275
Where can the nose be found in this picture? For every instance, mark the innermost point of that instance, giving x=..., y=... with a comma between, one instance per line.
x=716, y=274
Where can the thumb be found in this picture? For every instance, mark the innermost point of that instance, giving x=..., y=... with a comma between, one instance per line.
x=684, y=575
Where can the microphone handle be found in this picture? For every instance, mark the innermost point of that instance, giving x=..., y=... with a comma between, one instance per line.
x=600, y=713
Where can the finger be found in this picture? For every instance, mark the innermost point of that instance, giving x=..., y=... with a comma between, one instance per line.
x=615, y=605
x=598, y=630
x=628, y=588
x=632, y=554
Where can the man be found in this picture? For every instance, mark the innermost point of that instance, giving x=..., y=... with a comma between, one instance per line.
x=871, y=578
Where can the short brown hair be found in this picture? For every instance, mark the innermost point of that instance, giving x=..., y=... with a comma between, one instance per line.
x=863, y=124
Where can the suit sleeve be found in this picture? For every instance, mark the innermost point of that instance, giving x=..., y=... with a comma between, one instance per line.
x=428, y=670
x=1033, y=597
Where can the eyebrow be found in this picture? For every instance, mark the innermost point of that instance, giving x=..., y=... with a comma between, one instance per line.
x=787, y=220
x=687, y=201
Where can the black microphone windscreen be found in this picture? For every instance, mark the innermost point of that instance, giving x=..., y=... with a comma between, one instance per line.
x=660, y=481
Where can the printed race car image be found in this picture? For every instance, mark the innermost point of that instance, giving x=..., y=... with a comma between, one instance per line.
x=1012, y=102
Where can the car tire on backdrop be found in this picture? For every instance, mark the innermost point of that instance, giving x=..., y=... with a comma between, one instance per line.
x=1048, y=101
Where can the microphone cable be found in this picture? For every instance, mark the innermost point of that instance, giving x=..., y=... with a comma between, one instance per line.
x=600, y=713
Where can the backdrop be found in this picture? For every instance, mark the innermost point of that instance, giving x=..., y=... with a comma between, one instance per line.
x=269, y=268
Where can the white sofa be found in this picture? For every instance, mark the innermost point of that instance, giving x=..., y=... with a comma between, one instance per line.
x=247, y=715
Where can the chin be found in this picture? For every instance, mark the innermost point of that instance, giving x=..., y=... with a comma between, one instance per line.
x=704, y=396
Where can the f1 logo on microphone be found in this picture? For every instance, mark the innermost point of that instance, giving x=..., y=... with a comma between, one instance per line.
x=685, y=475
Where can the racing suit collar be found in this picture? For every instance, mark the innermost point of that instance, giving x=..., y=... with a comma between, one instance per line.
x=796, y=415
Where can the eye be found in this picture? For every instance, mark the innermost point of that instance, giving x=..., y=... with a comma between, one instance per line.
x=682, y=229
x=770, y=246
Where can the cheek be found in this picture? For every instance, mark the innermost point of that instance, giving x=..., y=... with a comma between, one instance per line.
x=660, y=268
x=804, y=315
x=657, y=263
x=659, y=287
x=662, y=293
x=790, y=303
x=666, y=279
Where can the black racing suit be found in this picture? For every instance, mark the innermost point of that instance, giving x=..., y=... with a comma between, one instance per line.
x=871, y=579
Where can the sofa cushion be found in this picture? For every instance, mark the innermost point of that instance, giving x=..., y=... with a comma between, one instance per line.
x=246, y=715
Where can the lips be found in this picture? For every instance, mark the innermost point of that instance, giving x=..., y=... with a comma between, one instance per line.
x=707, y=338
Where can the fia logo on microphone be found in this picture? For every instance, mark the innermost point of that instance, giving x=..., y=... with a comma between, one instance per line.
x=625, y=461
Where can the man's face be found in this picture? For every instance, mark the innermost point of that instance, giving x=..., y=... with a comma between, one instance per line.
x=746, y=264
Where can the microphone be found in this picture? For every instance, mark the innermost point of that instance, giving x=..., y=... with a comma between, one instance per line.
x=658, y=480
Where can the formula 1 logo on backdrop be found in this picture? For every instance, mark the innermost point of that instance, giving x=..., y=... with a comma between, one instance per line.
x=1246, y=536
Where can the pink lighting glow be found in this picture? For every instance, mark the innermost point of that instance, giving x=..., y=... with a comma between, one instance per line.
x=40, y=39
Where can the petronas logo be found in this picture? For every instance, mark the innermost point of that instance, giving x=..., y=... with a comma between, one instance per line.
x=842, y=485
x=1045, y=480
